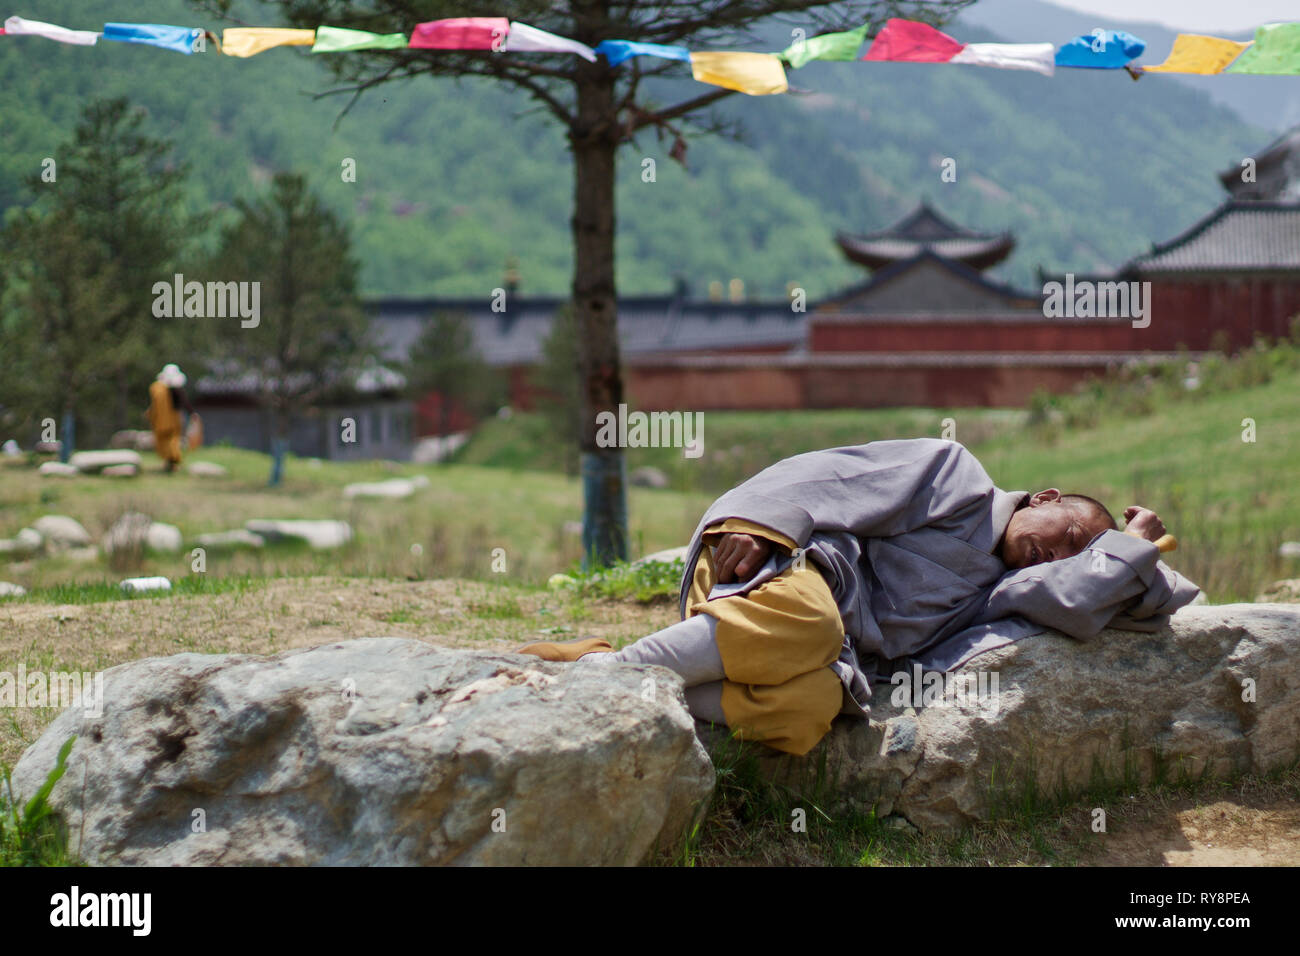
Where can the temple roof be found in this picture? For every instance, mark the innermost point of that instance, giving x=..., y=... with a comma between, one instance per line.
x=1239, y=236
x=924, y=230
x=1277, y=171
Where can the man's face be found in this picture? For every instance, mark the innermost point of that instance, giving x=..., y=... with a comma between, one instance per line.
x=1049, y=529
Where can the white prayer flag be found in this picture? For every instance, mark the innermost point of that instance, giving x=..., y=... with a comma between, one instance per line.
x=17, y=26
x=524, y=38
x=1039, y=57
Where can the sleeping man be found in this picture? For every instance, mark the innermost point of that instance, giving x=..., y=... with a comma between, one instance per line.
x=828, y=569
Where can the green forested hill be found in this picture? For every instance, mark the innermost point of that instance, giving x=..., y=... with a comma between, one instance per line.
x=453, y=178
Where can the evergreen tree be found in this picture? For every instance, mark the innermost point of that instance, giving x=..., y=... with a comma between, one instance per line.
x=311, y=337
x=445, y=360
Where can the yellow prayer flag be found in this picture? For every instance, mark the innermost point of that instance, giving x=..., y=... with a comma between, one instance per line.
x=248, y=41
x=1193, y=53
x=753, y=73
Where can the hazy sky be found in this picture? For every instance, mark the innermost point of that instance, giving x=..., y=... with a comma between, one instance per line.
x=1190, y=15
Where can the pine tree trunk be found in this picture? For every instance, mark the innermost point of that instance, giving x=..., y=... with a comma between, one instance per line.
x=594, y=142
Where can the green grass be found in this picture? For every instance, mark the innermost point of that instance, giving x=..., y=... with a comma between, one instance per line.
x=643, y=582
x=97, y=591
x=34, y=834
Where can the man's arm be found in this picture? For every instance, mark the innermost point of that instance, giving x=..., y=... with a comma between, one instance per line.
x=1117, y=581
x=874, y=490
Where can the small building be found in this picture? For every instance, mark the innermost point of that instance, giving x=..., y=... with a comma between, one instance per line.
x=369, y=418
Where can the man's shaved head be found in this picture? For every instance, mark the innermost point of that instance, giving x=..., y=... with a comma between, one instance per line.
x=1053, y=526
x=1092, y=510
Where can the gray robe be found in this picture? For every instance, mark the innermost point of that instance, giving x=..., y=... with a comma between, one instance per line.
x=905, y=533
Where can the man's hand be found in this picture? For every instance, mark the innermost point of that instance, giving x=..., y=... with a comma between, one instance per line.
x=1143, y=522
x=738, y=556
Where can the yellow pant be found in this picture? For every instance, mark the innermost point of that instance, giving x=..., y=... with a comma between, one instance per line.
x=776, y=643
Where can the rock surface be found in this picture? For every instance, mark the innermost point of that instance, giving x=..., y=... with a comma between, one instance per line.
x=319, y=534
x=93, y=461
x=120, y=471
x=1171, y=700
x=8, y=590
x=375, y=752
x=61, y=532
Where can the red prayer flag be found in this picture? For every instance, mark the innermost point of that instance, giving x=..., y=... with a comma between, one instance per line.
x=906, y=41
x=461, y=33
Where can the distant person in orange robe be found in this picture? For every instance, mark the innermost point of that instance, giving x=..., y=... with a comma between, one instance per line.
x=166, y=399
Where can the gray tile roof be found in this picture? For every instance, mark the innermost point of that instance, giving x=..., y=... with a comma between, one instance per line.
x=646, y=325
x=1239, y=236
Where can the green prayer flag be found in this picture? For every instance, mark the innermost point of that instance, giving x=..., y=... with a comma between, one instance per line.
x=1276, y=50
x=339, y=40
x=828, y=46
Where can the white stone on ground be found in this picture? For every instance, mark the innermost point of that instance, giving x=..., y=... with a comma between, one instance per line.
x=61, y=532
x=93, y=461
x=322, y=534
x=146, y=584
x=57, y=469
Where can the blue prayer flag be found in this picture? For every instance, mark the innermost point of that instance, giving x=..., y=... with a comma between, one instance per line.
x=180, y=39
x=1101, y=50
x=616, y=51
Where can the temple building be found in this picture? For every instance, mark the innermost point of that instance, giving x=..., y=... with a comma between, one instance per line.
x=926, y=326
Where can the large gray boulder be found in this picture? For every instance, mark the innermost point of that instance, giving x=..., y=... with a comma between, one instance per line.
x=1067, y=714
x=375, y=752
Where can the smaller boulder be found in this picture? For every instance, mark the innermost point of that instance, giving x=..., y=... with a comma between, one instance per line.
x=26, y=541
x=90, y=462
x=1289, y=549
x=393, y=488
x=61, y=532
x=648, y=477
x=320, y=535
x=8, y=590
x=162, y=537
x=238, y=538
x=10, y=449
x=668, y=556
